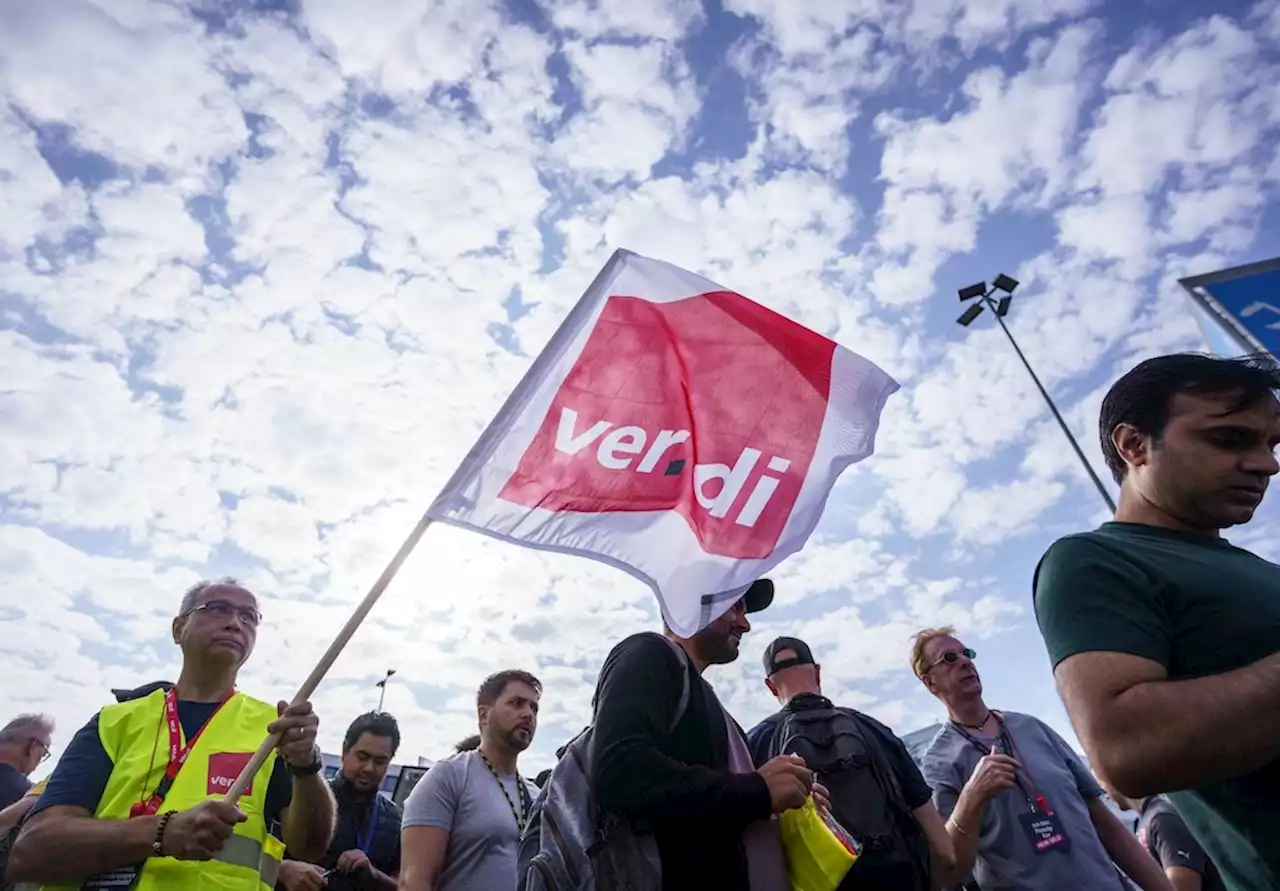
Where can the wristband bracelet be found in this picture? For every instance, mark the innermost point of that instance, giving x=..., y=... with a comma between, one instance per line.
x=158, y=845
x=960, y=829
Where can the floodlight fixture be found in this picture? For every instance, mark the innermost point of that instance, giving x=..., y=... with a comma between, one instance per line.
x=967, y=317
x=1005, y=283
x=1002, y=308
x=977, y=290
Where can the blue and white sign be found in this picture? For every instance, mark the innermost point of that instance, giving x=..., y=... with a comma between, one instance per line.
x=1245, y=301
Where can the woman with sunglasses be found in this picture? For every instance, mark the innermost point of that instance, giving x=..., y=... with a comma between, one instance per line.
x=1022, y=809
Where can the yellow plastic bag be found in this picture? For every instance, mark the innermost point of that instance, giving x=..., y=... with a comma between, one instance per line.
x=819, y=852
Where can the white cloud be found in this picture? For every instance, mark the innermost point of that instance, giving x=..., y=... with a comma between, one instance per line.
x=261, y=286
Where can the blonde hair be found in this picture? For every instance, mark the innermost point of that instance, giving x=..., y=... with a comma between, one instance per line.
x=920, y=640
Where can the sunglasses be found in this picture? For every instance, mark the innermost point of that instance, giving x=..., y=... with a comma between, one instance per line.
x=951, y=657
x=221, y=611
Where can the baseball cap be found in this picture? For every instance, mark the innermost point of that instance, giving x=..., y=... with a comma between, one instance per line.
x=758, y=596
x=773, y=665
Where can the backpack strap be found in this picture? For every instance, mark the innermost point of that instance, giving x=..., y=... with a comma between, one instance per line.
x=682, y=705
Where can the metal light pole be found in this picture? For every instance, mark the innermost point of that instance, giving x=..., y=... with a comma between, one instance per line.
x=382, y=687
x=982, y=298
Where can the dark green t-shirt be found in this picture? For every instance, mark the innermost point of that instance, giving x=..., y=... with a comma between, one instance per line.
x=1198, y=606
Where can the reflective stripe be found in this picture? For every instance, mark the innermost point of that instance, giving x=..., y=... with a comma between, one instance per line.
x=240, y=850
x=270, y=870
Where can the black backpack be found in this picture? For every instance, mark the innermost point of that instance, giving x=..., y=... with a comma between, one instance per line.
x=866, y=797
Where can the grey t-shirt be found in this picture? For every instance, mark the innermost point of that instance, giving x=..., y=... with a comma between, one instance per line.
x=1006, y=858
x=461, y=795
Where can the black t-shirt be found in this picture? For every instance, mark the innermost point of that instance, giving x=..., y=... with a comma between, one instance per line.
x=867, y=875
x=353, y=823
x=1171, y=843
x=13, y=785
x=1198, y=606
x=85, y=767
x=915, y=790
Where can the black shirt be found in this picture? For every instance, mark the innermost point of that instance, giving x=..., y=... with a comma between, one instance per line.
x=915, y=791
x=679, y=782
x=383, y=848
x=1171, y=843
x=13, y=785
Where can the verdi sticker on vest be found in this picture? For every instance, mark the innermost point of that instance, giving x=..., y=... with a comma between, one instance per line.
x=669, y=408
x=224, y=767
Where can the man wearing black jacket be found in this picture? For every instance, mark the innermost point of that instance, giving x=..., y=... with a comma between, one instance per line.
x=710, y=809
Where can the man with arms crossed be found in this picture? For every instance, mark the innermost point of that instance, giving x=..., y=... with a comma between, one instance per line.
x=463, y=820
x=1165, y=639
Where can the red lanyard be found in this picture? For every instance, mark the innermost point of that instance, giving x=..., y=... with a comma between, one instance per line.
x=177, y=752
x=1035, y=799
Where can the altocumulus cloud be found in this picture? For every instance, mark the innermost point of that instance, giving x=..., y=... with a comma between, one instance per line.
x=266, y=269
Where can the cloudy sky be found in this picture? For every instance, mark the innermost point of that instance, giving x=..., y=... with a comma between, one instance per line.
x=267, y=269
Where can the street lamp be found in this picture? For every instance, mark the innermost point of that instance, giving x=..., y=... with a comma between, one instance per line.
x=983, y=298
x=382, y=687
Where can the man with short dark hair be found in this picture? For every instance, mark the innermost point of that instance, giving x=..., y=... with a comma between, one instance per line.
x=365, y=850
x=689, y=774
x=24, y=744
x=877, y=792
x=1165, y=639
x=464, y=818
x=137, y=798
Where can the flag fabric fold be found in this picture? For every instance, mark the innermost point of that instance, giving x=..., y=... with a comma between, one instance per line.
x=676, y=430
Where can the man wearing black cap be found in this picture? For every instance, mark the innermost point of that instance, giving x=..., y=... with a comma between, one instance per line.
x=688, y=772
x=876, y=791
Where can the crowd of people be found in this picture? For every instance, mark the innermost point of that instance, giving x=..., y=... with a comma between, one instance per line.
x=1164, y=640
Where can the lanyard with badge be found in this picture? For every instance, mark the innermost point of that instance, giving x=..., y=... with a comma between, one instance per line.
x=125, y=877
x=1042, y=825
x=526, y=805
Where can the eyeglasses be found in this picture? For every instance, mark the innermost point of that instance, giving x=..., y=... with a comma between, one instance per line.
x=44, y=750
x=951, y=657
x=221, y=611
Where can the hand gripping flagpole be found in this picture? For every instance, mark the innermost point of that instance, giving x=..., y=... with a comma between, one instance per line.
x=330, y=656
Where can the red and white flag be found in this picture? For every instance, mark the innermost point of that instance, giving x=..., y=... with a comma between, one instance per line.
x=675, y=430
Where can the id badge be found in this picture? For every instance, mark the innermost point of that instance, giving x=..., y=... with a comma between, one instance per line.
x=122, y=878
x=1045, y=832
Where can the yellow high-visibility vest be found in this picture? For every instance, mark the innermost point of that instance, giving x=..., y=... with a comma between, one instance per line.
x=135, y=736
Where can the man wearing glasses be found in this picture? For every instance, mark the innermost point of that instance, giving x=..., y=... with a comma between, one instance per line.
x=136, y=800
x=24, y=745
x=1023, y=811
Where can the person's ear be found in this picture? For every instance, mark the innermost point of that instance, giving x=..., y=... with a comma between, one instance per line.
x=817, y=675
x=772, y=689
x=179, y=623
x=1133, y=446
x=482, y=715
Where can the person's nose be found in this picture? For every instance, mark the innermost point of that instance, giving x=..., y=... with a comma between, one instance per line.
x=1262, y=461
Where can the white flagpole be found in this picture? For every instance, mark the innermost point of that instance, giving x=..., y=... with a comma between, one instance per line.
x=326, y=661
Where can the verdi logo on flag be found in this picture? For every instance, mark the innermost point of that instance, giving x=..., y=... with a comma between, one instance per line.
x=710, y=406
x=673, y=429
